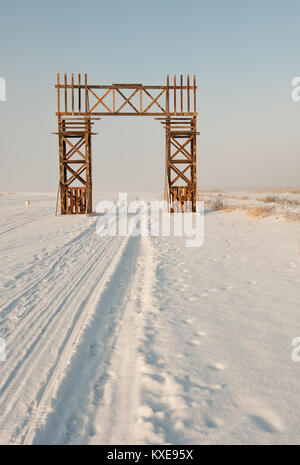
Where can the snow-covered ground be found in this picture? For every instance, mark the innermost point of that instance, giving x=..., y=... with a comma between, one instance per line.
x=137, y=340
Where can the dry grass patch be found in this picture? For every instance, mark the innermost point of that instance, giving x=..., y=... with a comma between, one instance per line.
x=270, y=199
x=262, y=212
x=278, y=200
x=291, y=216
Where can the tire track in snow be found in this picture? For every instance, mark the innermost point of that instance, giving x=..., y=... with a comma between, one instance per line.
x=81, y=390
x=74, y=332
x=85, y=235
x=25, y=363
x=19, y=225
x=120, y=416
x=68, y=248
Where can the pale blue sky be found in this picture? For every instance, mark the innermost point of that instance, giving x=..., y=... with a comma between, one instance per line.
x=244, y=54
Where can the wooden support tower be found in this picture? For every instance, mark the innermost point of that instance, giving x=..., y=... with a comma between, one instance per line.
x=75, y=165
x=181, y=157
x=79, y=104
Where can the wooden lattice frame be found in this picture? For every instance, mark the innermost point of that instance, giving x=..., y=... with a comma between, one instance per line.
x=79, y=104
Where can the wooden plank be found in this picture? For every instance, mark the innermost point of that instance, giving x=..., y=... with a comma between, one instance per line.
x=79, y=93
x=66, y=96
x=81, y=200
x=96, y=114
x=76, y=201
x=168, y=94
x=181, y=94
x=112, y=86
x=127, y=86
x=70, y=190
x=188, y=92
x=86, y=95
x=58, y=93
x=195, y=93
x=175, y=95
x=72, y=82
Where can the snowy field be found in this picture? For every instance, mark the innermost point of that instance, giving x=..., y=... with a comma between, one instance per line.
x=141, y=340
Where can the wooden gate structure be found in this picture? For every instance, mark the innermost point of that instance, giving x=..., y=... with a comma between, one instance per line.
x=79, y=104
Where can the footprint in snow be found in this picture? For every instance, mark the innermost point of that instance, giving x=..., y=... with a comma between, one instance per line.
x=73, y=427
x=201, y=333
x=217, y=366
x=213, y=422
x=92, y=430
x=145, y=411
x=267, y=421
x=194, y=342
x=94, y=349
x=160, y=415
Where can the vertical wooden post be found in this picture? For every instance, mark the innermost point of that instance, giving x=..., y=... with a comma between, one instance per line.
x=188, y=93
x=167, y=167
x=181, y=94
x=168, y=95
x=88, y=141
x=58, y=93
x=175, y=95
x=194, y=165
x=86, y=94
x=72, y=83
x=195, y=105
x=66, y=94
x=61, y=166
x=79, y=93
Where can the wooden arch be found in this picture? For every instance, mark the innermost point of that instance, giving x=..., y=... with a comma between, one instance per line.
x=79, y=104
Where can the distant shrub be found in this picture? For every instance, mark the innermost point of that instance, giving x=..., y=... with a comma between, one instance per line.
x=270, y=199
x=219, y=203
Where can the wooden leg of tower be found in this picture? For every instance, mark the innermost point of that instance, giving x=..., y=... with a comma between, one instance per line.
x=89, y=192
x=62, y=172
x=168, y=197
x=194, y=169
x=75, y=165
x=181, y=175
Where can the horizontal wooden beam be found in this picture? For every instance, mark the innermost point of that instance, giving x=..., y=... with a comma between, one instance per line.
x=123, y=86
x=127, y=114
